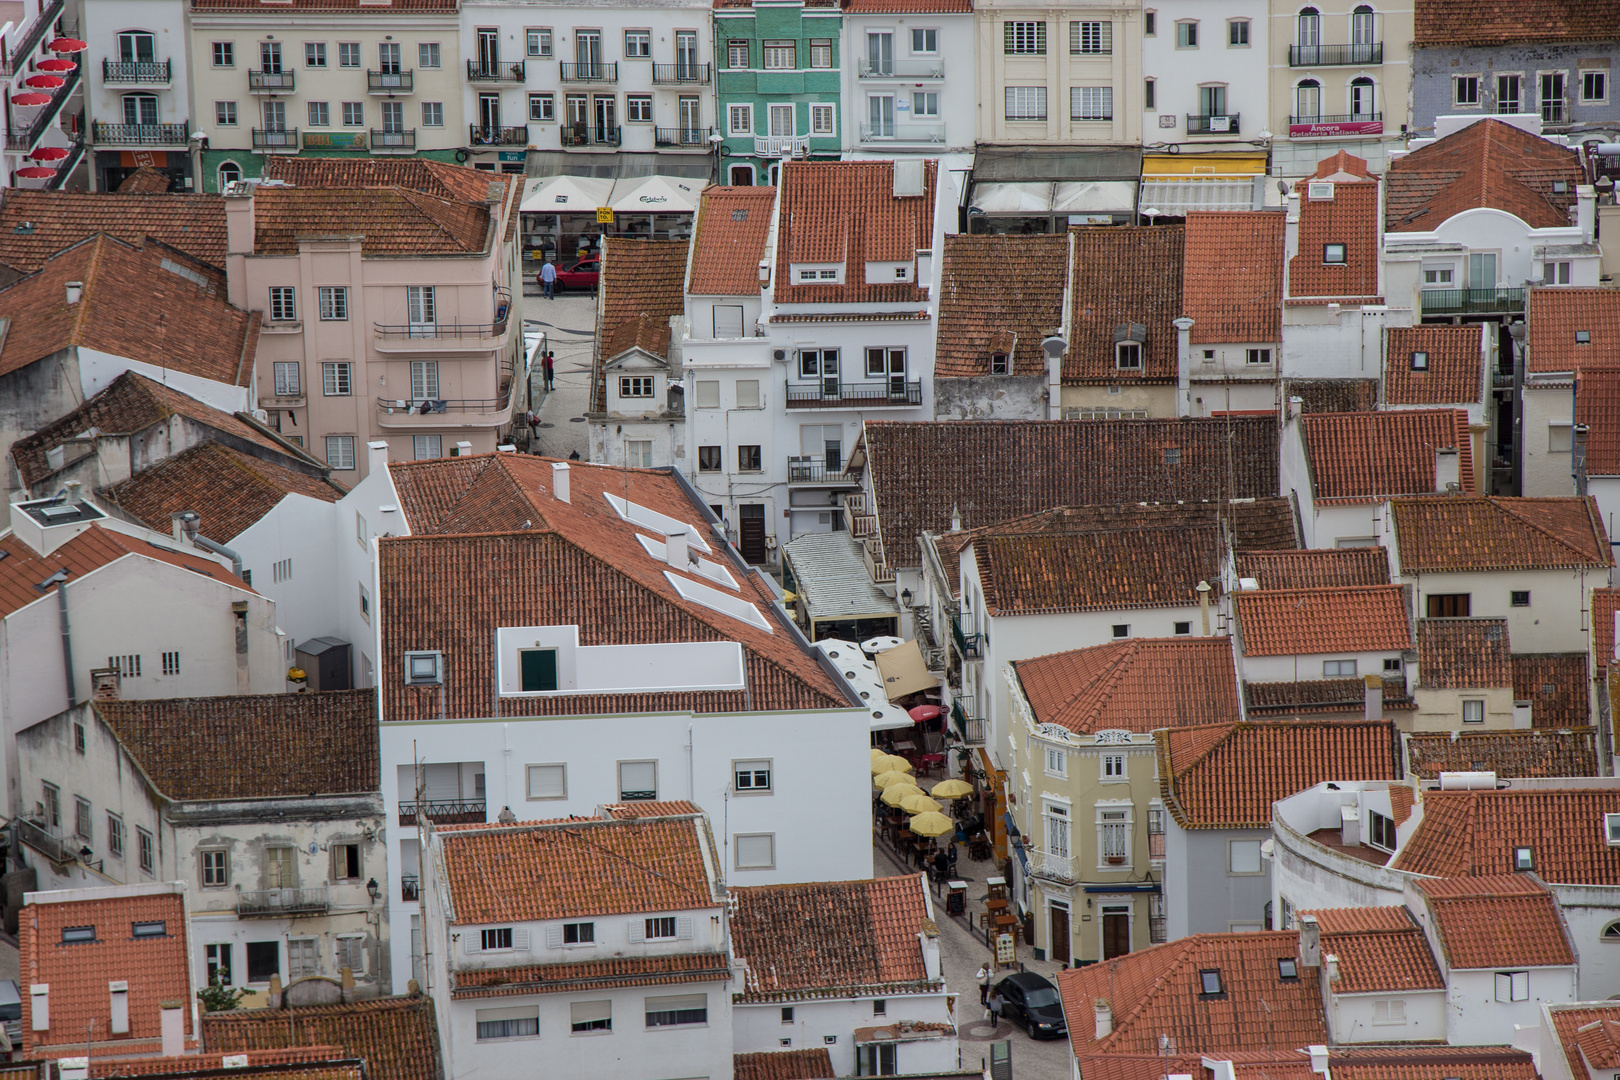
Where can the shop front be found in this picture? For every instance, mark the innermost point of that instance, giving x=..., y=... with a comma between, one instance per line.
x=113, y=167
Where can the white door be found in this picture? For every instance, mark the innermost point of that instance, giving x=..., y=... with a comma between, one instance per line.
x=880, y=116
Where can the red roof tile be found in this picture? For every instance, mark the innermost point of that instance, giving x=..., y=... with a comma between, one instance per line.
x=1464, y=654
x=812, y=1064
x=351, y=7
x=1321, y=697
x=390, y=221
x=846, y=212
x=1508, y=920
x=1597, y=406
x=733, y=225
x=606, y=974
x=1298, y=622
x=1333, y=395
x=1473, y=833
x=1350, y=218
x=1605, y=602
x=1138, y=685
x=1379, y=949
x=652, y=808
x=1505, y=753
x=1408, y=1062
x=1315, y=568
x=395, y=1036
x=1473, y=533
x=908, y=7
x=1455, y=363
x=34, y=225
x=145, y=180
x=1486, y=164
x=1589, y=1037
x=92, y=549
x=298, y=1063
x=640, y=291
x=1123, y=277
x=1365, y=457
x=832, y=938
x=1555, y=316
x=1227, y=776
x=1103, y=570
x=1556, y=686
x=1227, y=247
x=999, y=294
x=1499, y=22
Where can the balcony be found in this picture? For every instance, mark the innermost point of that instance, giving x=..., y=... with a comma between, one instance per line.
x=410, y=888
x=970, y=728
x=496, y=71
x=48, y=844
x=276, y=140
x=967, y=645
x=393, y=142
x=440, y=331
x=1472, y=301
x=833, y=394
x=20, y=48
x=919, y=69
x=682, y=138
x=1059, y=868
x=781, y=145
x=135, y=72
x=814, y=469
x=390, y=82
x=590, y=73
x=282, y=903
x=23, y=140
x=140, y=134
x=271, y=82
x=681, y=74
x=591, y=135
x=478, y=135
x=1335, y=55
x=1199, y=124
x=446, y=811
x=929, y=134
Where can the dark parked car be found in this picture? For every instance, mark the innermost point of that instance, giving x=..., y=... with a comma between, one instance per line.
x=1028, y=999
x=581, y=274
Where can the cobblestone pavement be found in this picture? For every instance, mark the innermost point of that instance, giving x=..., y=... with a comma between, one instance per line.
x=569, y=323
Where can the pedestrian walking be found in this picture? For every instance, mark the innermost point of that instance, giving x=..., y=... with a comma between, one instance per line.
x=984, y=984
x=548, y=279
x=549, y=364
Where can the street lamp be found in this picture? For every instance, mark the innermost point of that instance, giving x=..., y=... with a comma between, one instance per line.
x=373, y=890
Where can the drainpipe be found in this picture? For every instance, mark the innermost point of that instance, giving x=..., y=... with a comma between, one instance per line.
x=59, y=579
x=239, y=610
x=187, y=522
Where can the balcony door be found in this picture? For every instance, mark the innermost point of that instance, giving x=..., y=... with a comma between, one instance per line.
x=686, y=54
x=880, y=115
x=1212, y=100
x=489, y=48
x=880, y=52
x=1363, y=31
x=393, y=117
x=1116, y=931
x=691, y=120
x=1308, y=101
x=605, y=107
x=419, y=305
x=782, y=121
x=137, y=47
x=1308, y=29
x=1362, y=99
x=1482, y=270
x=270, y=57
x=823, y=444
x=275, y=116
x=388, y=58
x=588, y=53
x=140, y=109
x=489, y=112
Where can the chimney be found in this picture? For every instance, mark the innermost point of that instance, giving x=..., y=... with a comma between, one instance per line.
x=239, y=239
x=1522, y=715
x=1578, y=458
x=925, y=268
x=376, y=456
x=1330, y=968
x=1291, y=226
x=75, y=290
x=1310, y=942
x=1183, y=327
x=1585, y=211
x=463, y=449
x=174, y=1027
x=559, y=480
x=239, y=609
x=675, y=550
x=1447, y=477
x=1054, y=347
x=929, y=937
x=1203, y=607
x=177, y=522
x=1350, y=825
x=1319, y=1059
x=75, y=493
x=104, y=684
x=1104, y=1016
x=1296, y=408
x=1374, y=697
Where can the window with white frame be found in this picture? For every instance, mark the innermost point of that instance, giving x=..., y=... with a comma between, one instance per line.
x=288, y=381
x=737, y=54
x=754, y=851
x=1187, y=34
x=677, y=1009
x=752, y=777
x=638, y=780
x=283, y=303
x=515, y=1022
x=1237, y=33
x=1113, y=766
x=635, y=386
x=1057, y=762
x=349, y=54
x=924, y=42
x=1389, y=1011
x=1024, y=38
x=427, y=447
x=538, y=41
x=821, y=51
x=1114, y=836
x=1594, y=87
x=428, y=54
x=354, y=114
x=336, y=378
x=821, y=120
x=1057, y=831
x=547, y=781
x=1091, y=38
x=1473, y=712
x=1091, y=103
x=637, y=44
x=781, y=55
x=740, y=119
x=924, y=105
x=340, y=451
x=225, y=113
x=1026, y=102
x=638, y=453
x=1438, y=277
x=433, y=114
x=1512, y=986
x=542, y=107
x=1338, y=669
x=1381, y=830
x=1259, y=356
x=319, y=113
x=1243, y=857
x=334, y=303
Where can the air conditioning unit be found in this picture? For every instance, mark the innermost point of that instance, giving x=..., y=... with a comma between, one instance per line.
x=424, y=669
x=780, y=354
x=1319, y=190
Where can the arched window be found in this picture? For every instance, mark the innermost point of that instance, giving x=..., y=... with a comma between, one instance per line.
x=1611, y=933
x=1307, y=101
x=229, y=173
x=1310, y=28
x=140, y=110
x=1363, y=26
x=1362, y=98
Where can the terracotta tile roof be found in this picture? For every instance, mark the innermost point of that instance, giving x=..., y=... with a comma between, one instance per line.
x=1333, y=395
x=1463, y=654
x=846, y=212
x=1597, y=405
x=230, y=489
x=1349, y=218
x=351, y=7
x=1122, y=277
x=1499, y=22
x=812, y=1064
x=1588, y=1035
x=1104, y=570
x=437, y=178
x=998, y=294
x=1314, y=568
x=908, y=7
x=1453, y=375
x=1553, y=318
x=34, y=225
x=1227, y=776
x=1401, y=801
x=1473, y=533
x=1226, y=247
x=733, y=225
x=607, y=974
x=1297, y=622
x=1507, y=920
x=156, y=968
x=652, y=808
x=1155, y=993
x=1486, y=164
x=531, y=871
x=1605, y=602
x=640, y=290
x=1365, y=457
x=252, y=747
x=1379, y=949
x=391, y=221
x=831, y=938
x=1321, y=697
x=1264, y=523
x=21, y=568
x=149, y=303
x=1138, y=685
x=320, y=1063
x=395, y=1036
x=133, y=403
x=1556, y=686
x=577, y=563
x=145, y=181
x=1473, y=833
x=1506, y=753
x=994, y=470
x=1413, y=1062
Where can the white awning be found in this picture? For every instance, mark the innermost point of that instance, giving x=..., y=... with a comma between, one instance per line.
x=566, y=195
x=1026, y=197
x=1094, y=196
x=655, y=195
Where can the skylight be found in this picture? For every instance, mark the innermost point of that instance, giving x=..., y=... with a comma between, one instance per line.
x=715, y=600
x=636, y=514
x=704, y=568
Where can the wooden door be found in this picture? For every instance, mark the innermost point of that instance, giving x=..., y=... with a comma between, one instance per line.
x=1059, y=945
x=751, y=531
x=1116, y=934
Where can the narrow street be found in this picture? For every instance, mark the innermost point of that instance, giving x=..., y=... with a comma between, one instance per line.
x=569, y=322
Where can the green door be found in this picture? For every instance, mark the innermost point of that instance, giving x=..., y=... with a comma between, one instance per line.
x=539, y=669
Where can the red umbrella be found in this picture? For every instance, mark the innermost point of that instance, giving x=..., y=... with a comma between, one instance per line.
x=44, y=82
x=67, y=45
x=57, y=66
x=924, y=712
x=49, y=153
x=30, y=100
x=35, y=172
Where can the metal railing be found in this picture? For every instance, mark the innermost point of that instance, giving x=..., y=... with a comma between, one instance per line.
x=431, y=331
x=140, y=134
x=400, y=141
x=390, y=82
x=1471, y=301
x=25, y=139
x=589, y=73
x=903, y=133
x=970, y=728
x=967, y=645
x=1051, y=867
x=44, y=841
x=434, y=406
x=278, y=903
x=690, y=137
x=135, y=71
x=591, y=135
x=18, y=50
x=824, y=394
x=275, y=139
x=1199, y=124
x=676, y=74
x=1335, y=55
x=65, y=167
x=901, y=70
x=1344, y=118
x=778, y=145
x=446, y=811
x=813, y=469
x=498, y=71
x=479, y=135
x=270, y=82
x=410, y=888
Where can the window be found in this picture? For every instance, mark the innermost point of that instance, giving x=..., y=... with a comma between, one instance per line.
x=433, y=114
x=1507, y=93
x=320, y=114
x=1338, y=669
x=1243, y=857
x=1389, y=1011
x=219, y=964
x=591, y=1016
x=1465, y=90
x=499, y=937
x=1524, y=858
x=1091, y=103
x=1594, y=87
x=1156, y=919
x=230, y=172
x=1420, y=360
x=1552, y=97
x=427, y=54
x=282, y=570
x=737, y=53
x=334, y=302
x=1091, y=38
x=349, y=54
x=1057, y=762
x=781, y=55
x=1392, y=666
x=539, y=42
x=787, y=1013
x=542, y=107
x=998, y=363
x=638, y=780
x=1448, y=605
x=1438, y=275
x=1473, y=712
x=346, y=862
x=224, y=54
x=215, y=869
x=263, y=960
x=147, y=846
x=129, y=666
x=1113, y=766
x=335, y=378
x=548, y=781
x=340, y=450
x=821, y=52
x=924, y=42
x=636, y=386
x=753, y=777
x=1557, y=273
x=1333, y=254
x=1512, y=986
x=660, y=928
x=283, y=305
x=579, y=933
x=677, y=1009
x=741, y=119
x=1237, y=33
x=1057, y=831
x=1114, y=837
x=303, y=957
x=225, y=113
x=1380, y=831
x=1150, y=24
x=289, y=382
x=708, y=394
x=78, y=728
x=1128, y=355
x=1209, y=982
x=821, y=117
x=354, y=114
x=1187, y=34
x=315, y=54
x=638, y=108
x=880, y=1007
x=538, y=670
x=1024, y=38
x=748, y=459
x=1182, y=629
x=115, y=836
x=510, y=1023
x=1287, y=968
x=638, y=453
x=755, y=851
x=78, y=935
x=1259, y=356
x=709, y=458
x=81, y=817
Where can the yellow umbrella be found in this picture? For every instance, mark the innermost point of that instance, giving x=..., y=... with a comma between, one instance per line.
x=882, y=763
x=878, y=755
x=919, y=804
x=932, y=824
x=895, y=794
x=951, y=789
x=891, y=777
x=899, y=763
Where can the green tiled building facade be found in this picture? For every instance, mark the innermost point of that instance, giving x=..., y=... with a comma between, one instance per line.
x=777, y=84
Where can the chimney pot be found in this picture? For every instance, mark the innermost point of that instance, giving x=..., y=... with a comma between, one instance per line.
x=1319, y=1059
x=1330, y=964
x=1374, y=697
x=376, y=455
x=1310, y=942
x=1104, y=1014
x=75, y=493
x=1447, y=470
x=559, y=480
x=675, y=550
x=75, y=291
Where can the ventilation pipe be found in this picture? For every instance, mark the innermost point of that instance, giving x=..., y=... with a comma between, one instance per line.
x=59, y=579
x=188, y=522
x=1203, y=607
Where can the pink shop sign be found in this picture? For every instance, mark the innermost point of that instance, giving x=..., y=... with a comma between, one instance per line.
x=1343, y=127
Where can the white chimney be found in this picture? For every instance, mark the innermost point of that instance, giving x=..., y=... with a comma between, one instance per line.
x=463, y=449
x=1447, y=470
x=929, y=938
x=1374, y=697
x=1291, y=226
x=74, y=492
x=1350, y=826
x=559, y=480
x=1183, y=327
x=1104, y=1014
x=1319, y=1059
x=376, y=456
x=174, y=1027
x=1219, y=1069
x=1310, y=942
x=1054, y=347
x=118, y=991
x=75, y=290
x=675, y=550
x=1330, y=967
x=1522, y=720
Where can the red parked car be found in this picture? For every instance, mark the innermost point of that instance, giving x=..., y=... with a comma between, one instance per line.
x=581, y=274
